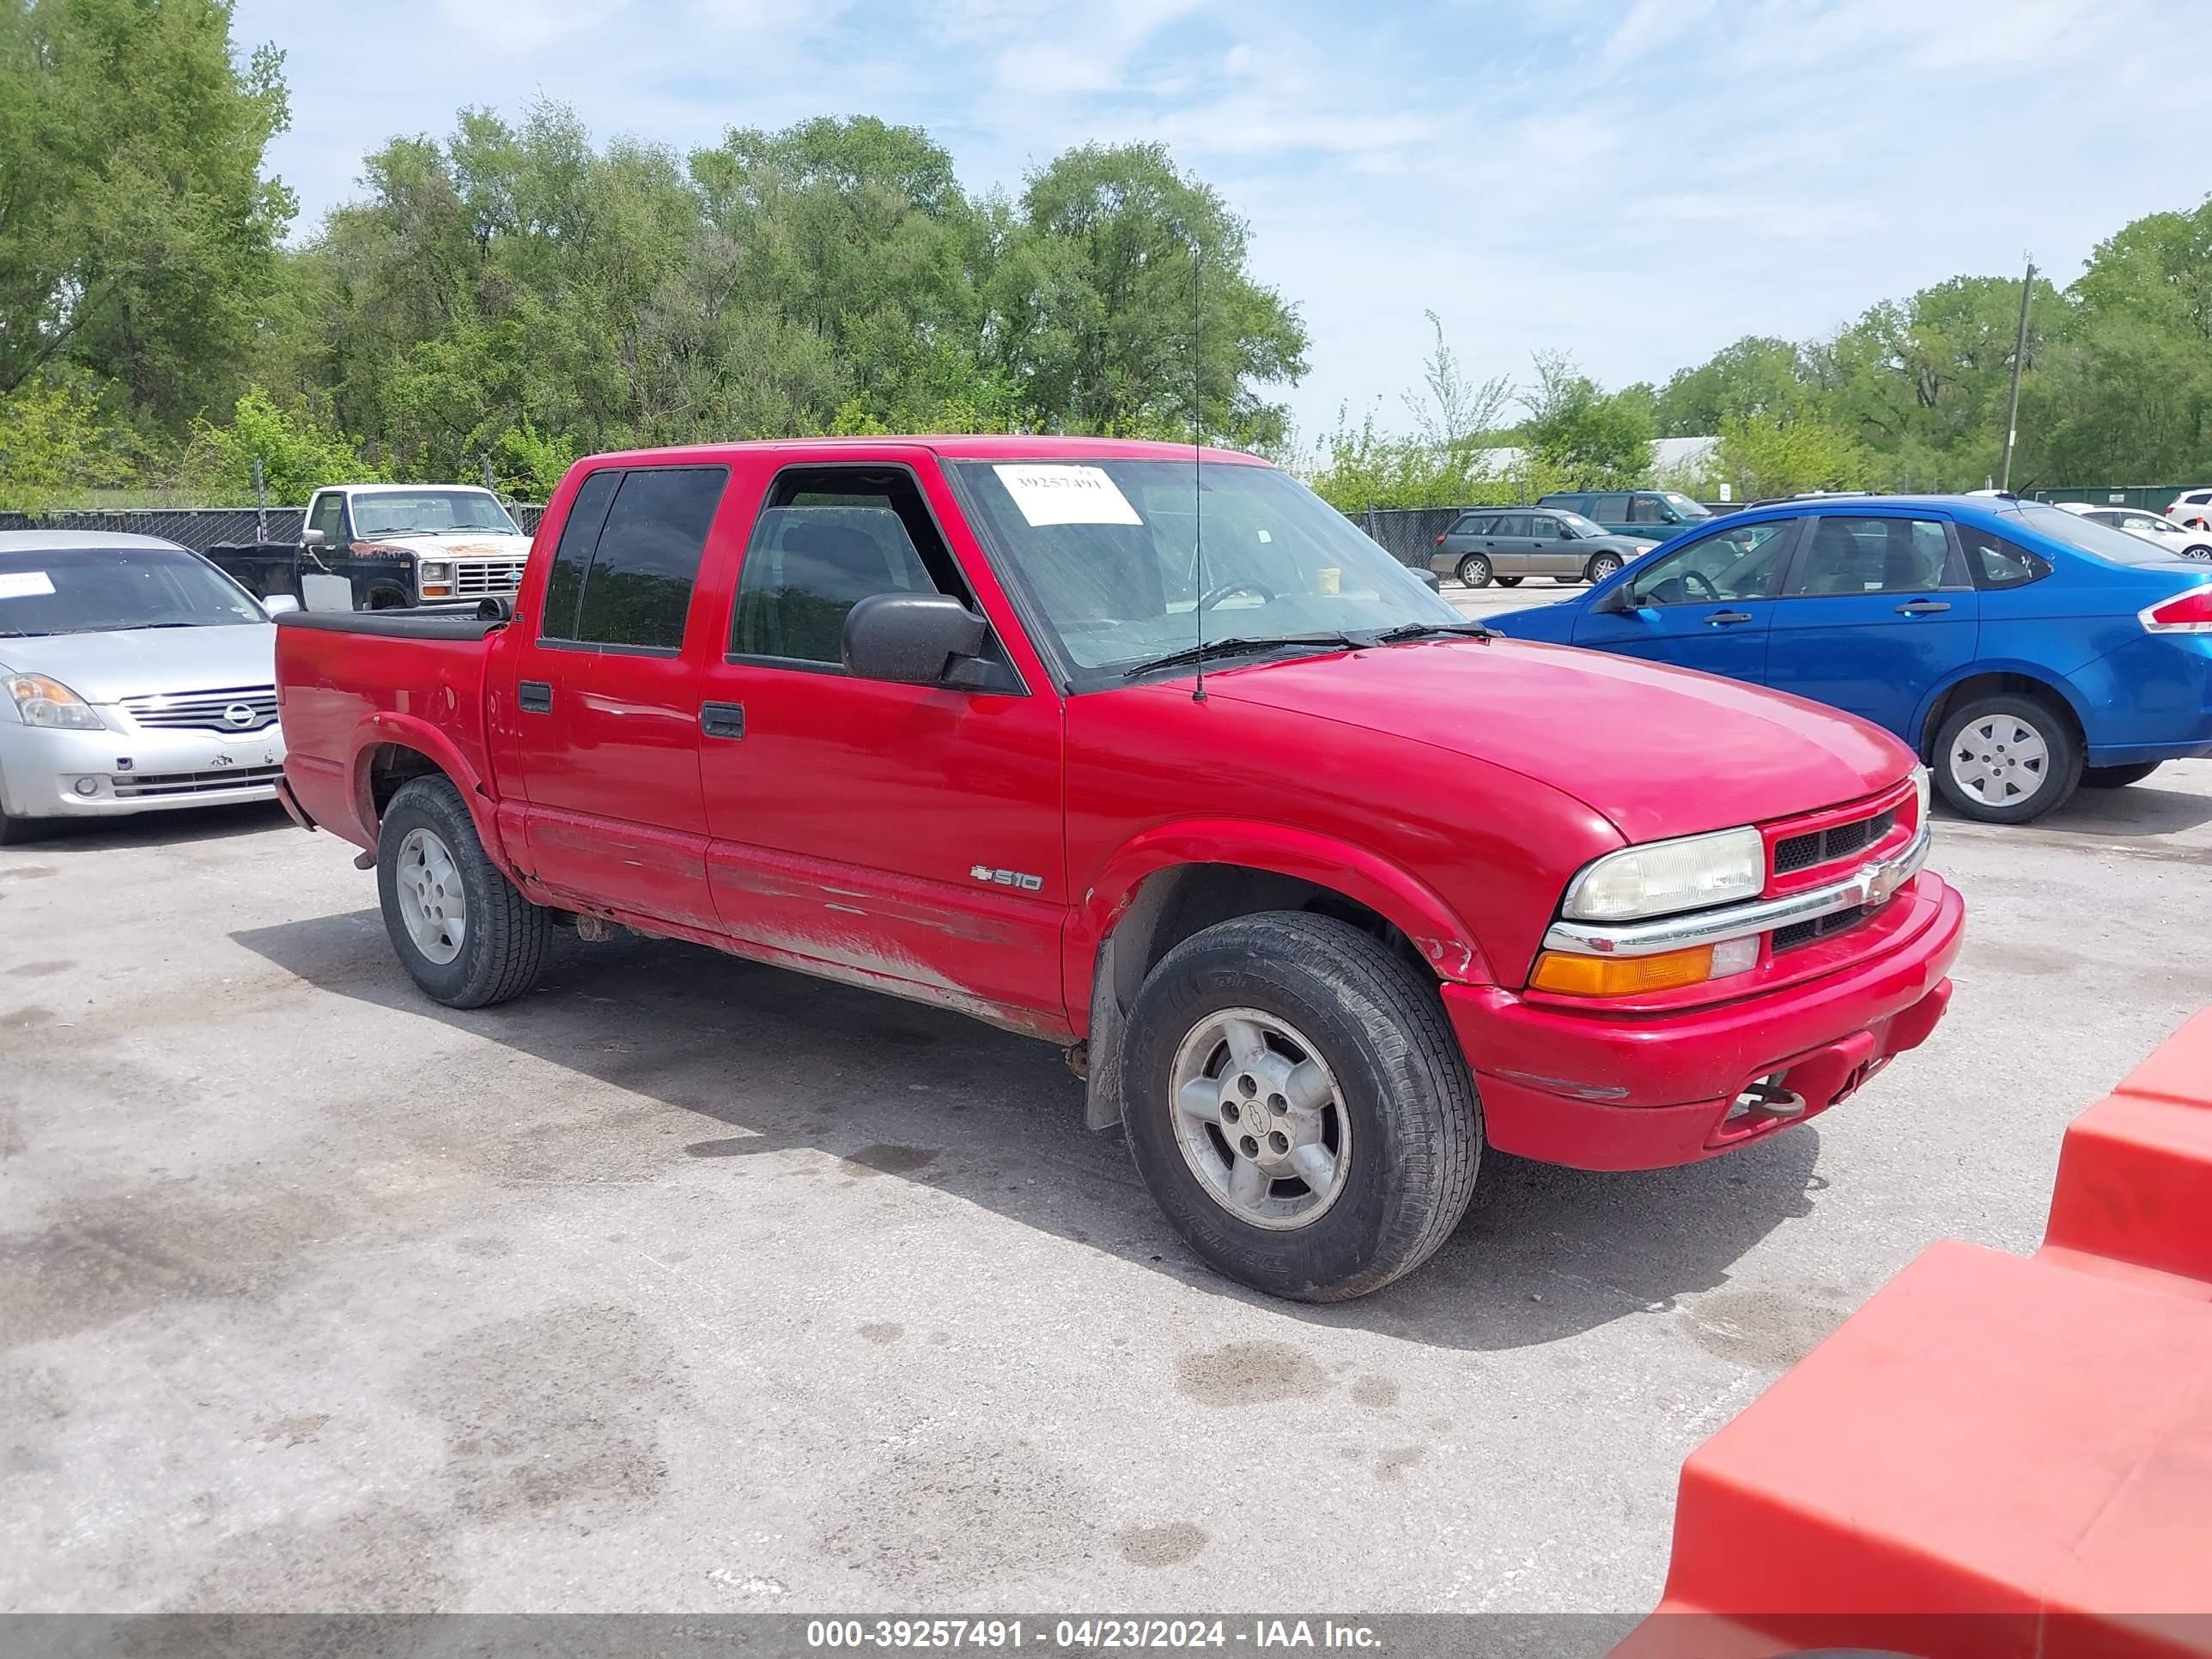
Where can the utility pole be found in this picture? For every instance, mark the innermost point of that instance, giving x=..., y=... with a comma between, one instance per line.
x=2018, y=352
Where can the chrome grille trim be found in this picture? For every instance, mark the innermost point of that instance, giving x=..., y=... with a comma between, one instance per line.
x=204, y=711
x=475, y=580
x=1869, y=885
x=155, y=786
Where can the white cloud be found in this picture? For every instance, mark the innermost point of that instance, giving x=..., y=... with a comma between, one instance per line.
x=1640, y=183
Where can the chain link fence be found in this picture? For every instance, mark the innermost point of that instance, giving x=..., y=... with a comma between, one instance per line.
x=203, y=527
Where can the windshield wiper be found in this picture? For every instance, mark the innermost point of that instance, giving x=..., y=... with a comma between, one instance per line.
x=1423, y=630
x=1237, y=646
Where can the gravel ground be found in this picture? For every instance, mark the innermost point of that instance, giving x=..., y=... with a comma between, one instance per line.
x=691, y=1285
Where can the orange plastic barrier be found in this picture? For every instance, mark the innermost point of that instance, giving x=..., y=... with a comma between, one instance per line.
x=1993, y=1456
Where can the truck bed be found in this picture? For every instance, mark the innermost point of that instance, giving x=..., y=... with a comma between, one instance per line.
x=350, y=682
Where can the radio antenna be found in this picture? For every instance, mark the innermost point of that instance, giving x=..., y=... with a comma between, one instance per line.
x=1197, y=478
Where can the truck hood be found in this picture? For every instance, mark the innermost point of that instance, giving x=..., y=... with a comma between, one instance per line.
x=1659, y=752
x=145, y=661
x=460, y=544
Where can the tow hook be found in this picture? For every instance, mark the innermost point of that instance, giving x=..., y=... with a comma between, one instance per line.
x=1767, y=1098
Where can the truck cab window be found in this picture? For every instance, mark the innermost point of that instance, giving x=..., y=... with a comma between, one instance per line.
x=827, y=538
x=637, y=590
x=580, y=535
x=328, y=515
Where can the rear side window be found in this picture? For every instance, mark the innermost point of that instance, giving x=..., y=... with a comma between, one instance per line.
x=1645, y=509
x=1997, y=562
x=1512, y=524
x=578, y=536
x=1849, y=553
x=1471, y=524
x=638, y=589
x=1608, y=509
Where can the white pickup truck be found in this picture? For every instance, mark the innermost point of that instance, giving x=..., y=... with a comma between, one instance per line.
x=388, y=547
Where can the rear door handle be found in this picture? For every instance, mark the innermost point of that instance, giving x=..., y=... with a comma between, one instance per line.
x=1922, y=608
x=535, y=696
x=722, y=720
x=1727, y=618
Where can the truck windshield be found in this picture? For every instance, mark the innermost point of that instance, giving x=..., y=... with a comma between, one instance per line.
x=113, y=590
x=429, y=512
x=1683, y=505
x=1106, y=552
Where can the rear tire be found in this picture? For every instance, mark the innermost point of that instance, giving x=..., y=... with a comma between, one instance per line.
x=2007, y=759
x=2199, y=550
x=462, y=930
x=1248, y=1024
x=2116, y=777
x=1475, y=570
x=1509, y=581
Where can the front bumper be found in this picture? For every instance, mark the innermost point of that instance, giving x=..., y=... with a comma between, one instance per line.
x=1611, y=1092
x=46, y=773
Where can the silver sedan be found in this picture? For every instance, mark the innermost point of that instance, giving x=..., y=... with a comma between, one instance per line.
x=135, y=676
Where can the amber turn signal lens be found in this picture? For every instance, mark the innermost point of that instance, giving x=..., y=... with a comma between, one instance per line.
x=1619, y=976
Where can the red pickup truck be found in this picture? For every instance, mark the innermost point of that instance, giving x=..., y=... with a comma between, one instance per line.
x=1376, y=890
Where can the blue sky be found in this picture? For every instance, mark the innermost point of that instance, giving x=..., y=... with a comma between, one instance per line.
x=1636, y=183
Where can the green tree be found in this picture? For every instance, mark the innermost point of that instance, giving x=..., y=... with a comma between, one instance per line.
x=137, y=236
x=57, y=441
x=1774, y=454
x=1100, y=322
x=1589, y=440
x=298, y=454
x=1756, y=375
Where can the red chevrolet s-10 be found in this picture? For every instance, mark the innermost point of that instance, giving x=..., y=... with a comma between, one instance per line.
x=1146, y=752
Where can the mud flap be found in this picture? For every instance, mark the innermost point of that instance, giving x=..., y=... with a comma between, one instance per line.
x=1102, y=1090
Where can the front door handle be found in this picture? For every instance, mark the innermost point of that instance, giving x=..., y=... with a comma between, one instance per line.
x=722, y=720
x=1727, y=618
x=534, y=696
x=1922, y=608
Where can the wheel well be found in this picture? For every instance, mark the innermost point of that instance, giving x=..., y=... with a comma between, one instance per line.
x=1175, y=903
x=391, y=765
x=1990, y=685
x=387, y=598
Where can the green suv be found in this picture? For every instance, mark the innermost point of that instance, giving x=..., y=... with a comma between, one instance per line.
x=1650, y=515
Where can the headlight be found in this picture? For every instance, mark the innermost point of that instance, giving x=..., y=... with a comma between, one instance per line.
x=436, y=571
x=49, y=703
x=1920, y=794
x=1662, y=877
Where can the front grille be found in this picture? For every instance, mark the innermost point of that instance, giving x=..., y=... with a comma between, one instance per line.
x=475, y=581
x=253, y=707
x=148, y=785
x=1826, y=845
x=1804, y=933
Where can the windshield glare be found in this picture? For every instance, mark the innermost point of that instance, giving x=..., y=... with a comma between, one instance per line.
x=1576, y=522
x=1688, y=508
x=2091, y=536
x=428, y=512
x=1106, y=552
x=110, y=589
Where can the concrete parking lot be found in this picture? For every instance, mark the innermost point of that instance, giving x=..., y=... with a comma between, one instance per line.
x=687, y=1284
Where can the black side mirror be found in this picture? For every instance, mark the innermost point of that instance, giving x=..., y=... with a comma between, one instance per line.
x=497, y=608
x=1613, y=602
x=911, y=639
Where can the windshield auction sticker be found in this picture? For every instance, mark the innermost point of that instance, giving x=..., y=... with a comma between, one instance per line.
x=29, y=584
x=1066, y=495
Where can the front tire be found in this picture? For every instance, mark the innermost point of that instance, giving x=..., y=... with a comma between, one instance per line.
x=1298, y=1107
x=2116, y=777
x=2007, y=759
x=1475, y=570
x=1600, y=566
x=462, y=930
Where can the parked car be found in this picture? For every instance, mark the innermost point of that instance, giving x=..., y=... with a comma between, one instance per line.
x=389, y=547
x=139, y=678
x=1507, y=544
x=2022, y=651
x=1649, y=515
x=924, y=715
x=2158, y=531
x=2192, y=509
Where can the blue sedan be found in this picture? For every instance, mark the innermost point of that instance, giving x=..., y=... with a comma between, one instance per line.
x=2022, y=651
